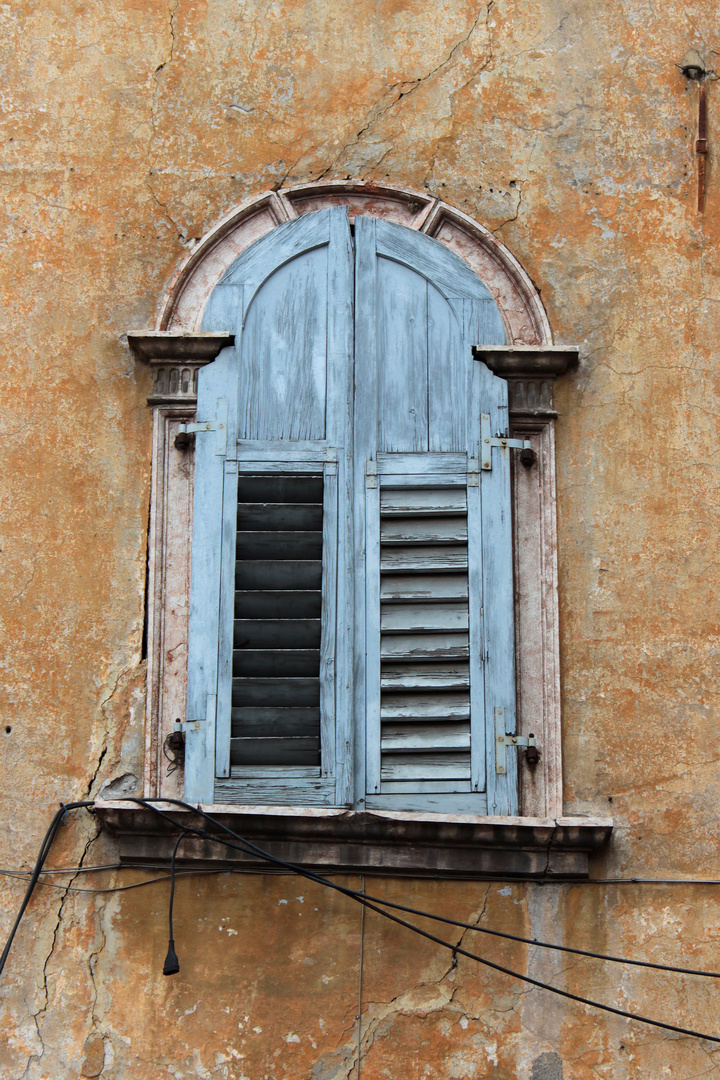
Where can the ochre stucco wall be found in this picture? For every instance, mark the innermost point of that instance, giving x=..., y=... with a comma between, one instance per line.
x=129, y=128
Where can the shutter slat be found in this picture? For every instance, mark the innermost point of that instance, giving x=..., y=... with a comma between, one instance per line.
x=421, y=738
x=281, y=751
x=296, y=517
x=267, y=693
x=429, y=676
x=279, y=545
x=424, y=646
x=452, y=766
x=412, y=502
x=287, y=633
x=273, y=604
x=399, y=618
x=425, y=706
x=281, y=662
x=290, y=574
x=419, y=559
x=272, y=721
x=433, y=588
x=424, y=530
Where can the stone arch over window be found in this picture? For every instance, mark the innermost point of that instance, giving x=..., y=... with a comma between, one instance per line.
x=526, y=322
x=529, y=361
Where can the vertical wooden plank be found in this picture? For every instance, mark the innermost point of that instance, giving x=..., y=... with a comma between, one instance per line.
x=364, y=450
x=490, y=396
x=339, y=435
x=402, y=358
x=328, y=636
x=226, y=620
x=449, y=373
x=372, y=635
x=284, y=352
x=478, y=737
x=215, y=384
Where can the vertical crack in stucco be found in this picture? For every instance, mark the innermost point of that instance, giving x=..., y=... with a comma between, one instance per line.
x=154, y=104
x=404, y=1003
x=401, y=90
x=40, y=1013
x=92, y=964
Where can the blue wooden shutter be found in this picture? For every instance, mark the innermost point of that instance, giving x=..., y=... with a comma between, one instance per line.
x=271, y=528
x=434, y=593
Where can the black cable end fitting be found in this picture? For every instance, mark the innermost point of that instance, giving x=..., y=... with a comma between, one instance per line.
x=172, y=964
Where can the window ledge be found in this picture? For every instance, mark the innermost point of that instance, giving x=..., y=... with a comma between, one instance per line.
x=372, y=842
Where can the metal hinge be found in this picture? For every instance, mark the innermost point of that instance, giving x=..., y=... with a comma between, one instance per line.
x=503, y=742
x=208, y=718
x=488, y=441
x=186, y=432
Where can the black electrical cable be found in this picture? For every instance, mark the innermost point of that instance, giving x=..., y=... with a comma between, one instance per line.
x=172, y=965
x=22, y=876
x=253, y=849
x=249, y=848
x=42, y=856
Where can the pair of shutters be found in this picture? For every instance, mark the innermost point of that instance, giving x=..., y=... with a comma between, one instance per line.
x=351, y=630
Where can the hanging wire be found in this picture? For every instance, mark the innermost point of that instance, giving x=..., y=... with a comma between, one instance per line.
x=247, y=847
x=172, y=964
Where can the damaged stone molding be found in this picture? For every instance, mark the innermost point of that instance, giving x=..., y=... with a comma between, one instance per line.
x=380, y=842
x=176, y=348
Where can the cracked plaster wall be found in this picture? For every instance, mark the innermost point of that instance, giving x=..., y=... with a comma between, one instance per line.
x=128, y=129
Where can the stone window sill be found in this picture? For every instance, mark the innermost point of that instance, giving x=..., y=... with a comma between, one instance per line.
x=371, y=842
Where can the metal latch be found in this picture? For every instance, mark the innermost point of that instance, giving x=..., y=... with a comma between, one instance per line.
x=503, y=742
x=527, y=455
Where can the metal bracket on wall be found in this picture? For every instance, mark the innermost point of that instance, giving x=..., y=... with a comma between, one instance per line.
x=504, y=741
x=487, y=441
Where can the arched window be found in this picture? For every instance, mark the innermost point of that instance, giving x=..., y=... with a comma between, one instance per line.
x=351, y=628
x=370, y=621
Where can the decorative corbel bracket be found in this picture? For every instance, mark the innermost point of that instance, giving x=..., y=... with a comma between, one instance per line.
x=175, y=358
x=530, y=371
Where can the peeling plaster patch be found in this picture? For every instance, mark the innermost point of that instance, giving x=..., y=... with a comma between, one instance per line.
x=292, y=1038
x=547, y=1067
x=119, y=787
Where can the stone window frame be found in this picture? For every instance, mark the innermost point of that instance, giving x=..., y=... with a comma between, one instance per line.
x=175, y=350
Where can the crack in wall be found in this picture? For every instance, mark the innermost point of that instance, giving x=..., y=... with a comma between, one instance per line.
x=172, y=16
x=168, y=216
x=515, y=216
x=39, y=1015
x=401, y=90
x=409, y=1002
